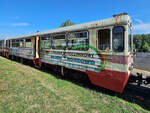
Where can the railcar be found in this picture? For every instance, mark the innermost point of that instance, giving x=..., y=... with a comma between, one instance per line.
x=100, y=49
x=21, y=47
x=1, y=47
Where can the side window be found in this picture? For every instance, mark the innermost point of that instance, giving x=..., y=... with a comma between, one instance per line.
x=129, y=40
x=118, y=39
x=78, y=41
x=15, y=43
x=45, y=42
x=59, y=42
x=22, y=43
x=7, y=43
x=28, y=43
x=0, y=43
x=104, y=39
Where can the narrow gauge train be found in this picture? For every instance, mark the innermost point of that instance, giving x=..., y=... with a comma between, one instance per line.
x=101, y=49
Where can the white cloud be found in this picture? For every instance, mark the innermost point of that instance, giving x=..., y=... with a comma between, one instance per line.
x=20, y=24
x=141, y=27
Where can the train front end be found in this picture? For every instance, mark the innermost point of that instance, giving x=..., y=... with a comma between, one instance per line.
x=118, y=60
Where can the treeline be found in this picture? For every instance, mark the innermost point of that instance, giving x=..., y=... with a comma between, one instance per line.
x=142, y=42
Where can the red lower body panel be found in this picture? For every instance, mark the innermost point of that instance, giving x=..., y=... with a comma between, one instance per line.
x=108, y=79
x=37, y=62
x=6, y=54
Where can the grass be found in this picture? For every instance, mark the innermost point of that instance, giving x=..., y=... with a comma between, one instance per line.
x=26, y=90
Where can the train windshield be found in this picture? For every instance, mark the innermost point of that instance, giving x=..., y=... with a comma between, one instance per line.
x=118, y=39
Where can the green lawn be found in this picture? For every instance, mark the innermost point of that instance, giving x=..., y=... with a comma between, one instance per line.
x=26, y=90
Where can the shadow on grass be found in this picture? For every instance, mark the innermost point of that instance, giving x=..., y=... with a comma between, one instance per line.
x=132, y=93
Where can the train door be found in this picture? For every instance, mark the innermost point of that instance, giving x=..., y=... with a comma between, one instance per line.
x=37, y=60
x=34, y=47
x=39, y=47
x=104, y=46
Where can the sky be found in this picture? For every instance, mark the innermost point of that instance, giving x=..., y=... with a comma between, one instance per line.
x=19, y=17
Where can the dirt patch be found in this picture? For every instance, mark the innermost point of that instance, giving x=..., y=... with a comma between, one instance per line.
x=145, y=73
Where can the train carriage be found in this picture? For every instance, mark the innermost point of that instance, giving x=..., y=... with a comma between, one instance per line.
x=101, y=49
x=2, y=47
x=21, y=47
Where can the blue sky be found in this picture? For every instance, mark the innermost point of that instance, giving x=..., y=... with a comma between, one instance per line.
x=18, y=17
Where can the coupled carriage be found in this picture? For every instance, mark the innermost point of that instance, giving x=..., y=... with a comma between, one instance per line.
x=100, y=49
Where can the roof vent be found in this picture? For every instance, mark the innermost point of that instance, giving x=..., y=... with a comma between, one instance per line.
x=121, y=14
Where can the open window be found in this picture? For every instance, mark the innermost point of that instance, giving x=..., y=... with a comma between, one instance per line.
x=28, y=43
x=104, y=39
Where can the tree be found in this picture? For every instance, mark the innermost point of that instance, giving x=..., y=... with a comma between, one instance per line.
x=146, y=47
x=142, y=42
x=67, y=23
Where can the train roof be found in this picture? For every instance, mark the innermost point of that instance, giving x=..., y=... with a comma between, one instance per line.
x=115, y=20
